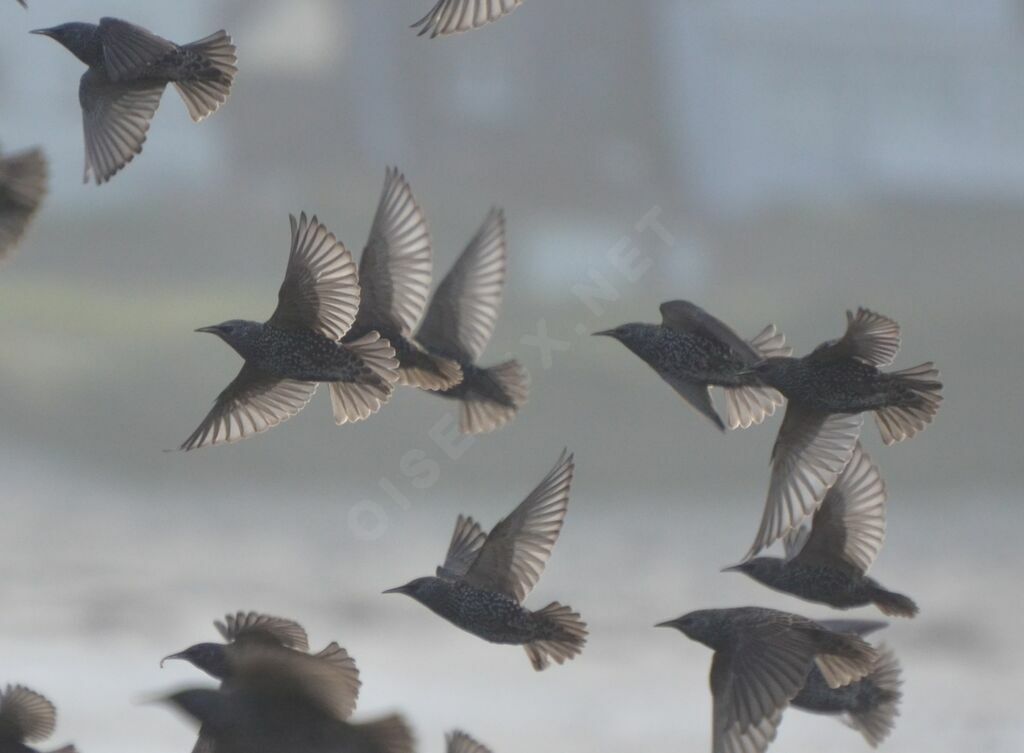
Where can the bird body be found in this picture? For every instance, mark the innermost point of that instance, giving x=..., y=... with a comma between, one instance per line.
x=485, y=578
x=693, y=351
x=129, y=67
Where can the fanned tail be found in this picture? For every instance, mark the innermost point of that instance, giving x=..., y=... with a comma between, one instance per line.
x=428, y=372
x=569, y=643
x=749, y=405
x=388, y=735
x=893, y=604
x=356, y=401
x=899, y=422
x=877, y=721
x=480, y=413
x=211, y=86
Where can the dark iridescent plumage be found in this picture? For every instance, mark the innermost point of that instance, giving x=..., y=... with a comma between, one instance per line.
x=693, y=351
x=128, y=70
x=485, y=578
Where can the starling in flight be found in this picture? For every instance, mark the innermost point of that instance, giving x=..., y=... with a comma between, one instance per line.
x=128, y=70
x=828, y=562
x=300, y=346
x=460, y=742
x=26, y=717
x=22, y=187
x=692, y=351
x=281, y=700
x=485, y=578
x=826, y=393
x=455, y=16
x=394, y=280
x=869, y=705
x=460, y=321
x=762, y=660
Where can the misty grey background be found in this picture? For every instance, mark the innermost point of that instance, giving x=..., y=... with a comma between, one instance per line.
x=800, y=158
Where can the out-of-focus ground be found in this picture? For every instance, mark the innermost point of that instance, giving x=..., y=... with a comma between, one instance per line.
x=774, y=164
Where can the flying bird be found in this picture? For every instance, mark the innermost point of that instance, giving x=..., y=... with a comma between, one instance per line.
x=828, y=562
x=26, y=717
x=394, y=279
x=459, y=323
x=485, y=578
x=455, y=16
x=23, y=179
x=300, y=346
x=826, y=393
x=22, y=3
x=460, y=742
x=129, y=67
x=869, y=705
x=762, y=660
x=693, y=351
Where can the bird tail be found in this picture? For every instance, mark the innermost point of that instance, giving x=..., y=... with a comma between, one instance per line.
x=429, y=372
x=482, y=410
x=210, y=87
x=748, y=405
x=569, y=631
x=893, y=604
x=877, y=721
x=355, y=401
x=388, y=735
x=899, y=422
x=843, y=658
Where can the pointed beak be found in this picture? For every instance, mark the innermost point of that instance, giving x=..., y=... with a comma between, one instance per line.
x=603, y=333
x=667, y=623
x=212, y=329
x=397, y=590
x=43, y=32
x=732, y=568
x=172, y=656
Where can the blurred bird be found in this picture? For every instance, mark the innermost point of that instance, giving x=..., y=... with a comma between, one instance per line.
x=26, y=717
x=128, y=70
x=827, y=563
x=826, y=392
x=869, y=705
x=394, y=279
x=762, y=660
x=300, y=346
x=693, y=351
x=22, y=3
x=284, y=701
x=455, y=16
x=460, y=321
x=460, y=742
x=23, y=179
x=485, y=578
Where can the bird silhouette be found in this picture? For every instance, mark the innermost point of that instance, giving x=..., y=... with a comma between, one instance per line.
x=23, y=180
x=827, y=562
x=826, y=392
x=129, y=67
x=26, y=717
x=460, y=742
x=455, y=16
x=394, y=280
x=693, y=351
x=481, y=586
x=300, y=346
x=762, y=659
x=459, y=323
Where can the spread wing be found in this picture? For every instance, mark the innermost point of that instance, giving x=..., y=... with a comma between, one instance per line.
x=870, y=337
x=23, y=179
x=455, y=16
x=812, y=449
x=129, y=50
x=690, y=318
x=467, y=539
x=254, y=402
x=849, y=527
x=25, y=716
x=460, y=742
x=463, y=313
x=395, y=269
x=243, y=626
x=115, y=118
x=514, y=554
x=321, y=286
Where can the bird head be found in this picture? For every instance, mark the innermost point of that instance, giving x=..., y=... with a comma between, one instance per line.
x=627, y=334
x=238, y=333
x=418, y=589
x=76, y=37
x=758, y=568
x=209, y=657
x=702, y=626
